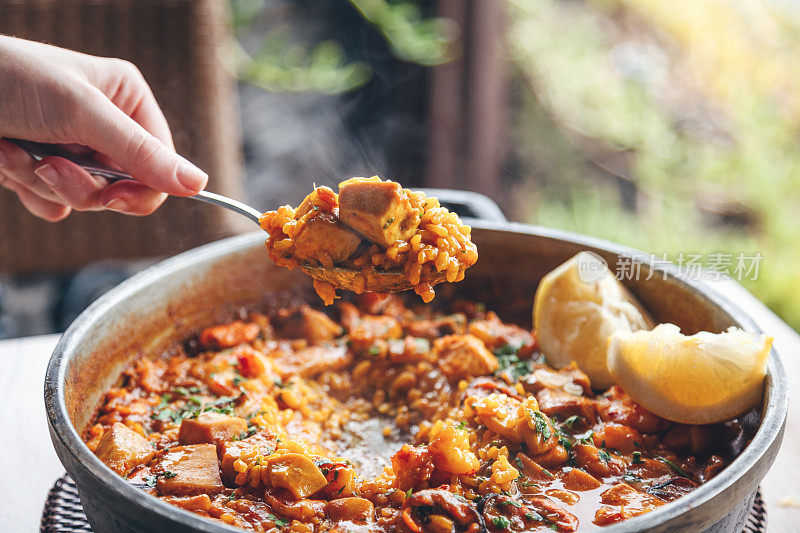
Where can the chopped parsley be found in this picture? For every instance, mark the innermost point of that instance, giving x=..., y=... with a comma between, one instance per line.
x=163, y=403
x=604, y=456
x=169, y=475
x=408, y=493
x=541, y=426
x=631, y=478
x=462, y=425
x=183, y=391
x=513, y=503
x=251, y=430
x=637, y=458
x=675, y=467
x=501, y=521
x=569, y=422
x=388, y=223
x=564, y=441
x=150, y=481
x=586, y=438
x=374, y=350
x=191, y=408
x=279, y=522
x=510, y=363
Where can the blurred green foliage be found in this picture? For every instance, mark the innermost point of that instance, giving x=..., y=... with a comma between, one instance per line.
x=282, y=63
x=702, y=106
x=281, y=67
x=426, y=41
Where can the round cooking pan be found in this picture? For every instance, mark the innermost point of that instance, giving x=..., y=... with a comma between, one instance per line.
x=172, y=300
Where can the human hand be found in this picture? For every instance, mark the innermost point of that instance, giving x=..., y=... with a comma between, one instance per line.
x=93, y=105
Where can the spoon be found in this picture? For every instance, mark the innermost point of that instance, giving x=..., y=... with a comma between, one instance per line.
x=39, y=151
x=343, y=278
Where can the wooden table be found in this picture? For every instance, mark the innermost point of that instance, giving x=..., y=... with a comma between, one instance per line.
x=29, y=465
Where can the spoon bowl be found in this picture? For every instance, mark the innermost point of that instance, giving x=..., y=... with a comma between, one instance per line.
x=374, y=280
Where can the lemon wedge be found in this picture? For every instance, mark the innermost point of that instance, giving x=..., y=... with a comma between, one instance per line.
x=698, y=379
x=576, y=308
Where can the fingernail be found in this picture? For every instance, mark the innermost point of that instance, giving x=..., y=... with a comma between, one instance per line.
x=3, y=159
x=191, y=177
x=48, y=174
x=116, y=204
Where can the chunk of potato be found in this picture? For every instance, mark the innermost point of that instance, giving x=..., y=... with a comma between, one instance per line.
x=350, y=510
x=189, y=471
x=122, y=449
x=378, y=210
x=210, y=427
x=296, y=473
x=463, y=357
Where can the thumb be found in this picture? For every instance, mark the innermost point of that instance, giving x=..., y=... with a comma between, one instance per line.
x=107, y=129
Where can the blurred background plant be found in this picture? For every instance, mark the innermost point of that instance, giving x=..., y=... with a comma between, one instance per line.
x=670, y=130
x=281, y=62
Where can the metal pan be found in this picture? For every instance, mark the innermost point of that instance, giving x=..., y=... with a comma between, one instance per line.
x=171, y=300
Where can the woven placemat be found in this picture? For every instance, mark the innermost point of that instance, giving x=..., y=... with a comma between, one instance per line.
x=63, y=512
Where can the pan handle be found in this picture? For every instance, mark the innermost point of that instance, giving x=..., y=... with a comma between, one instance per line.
x=468, y=204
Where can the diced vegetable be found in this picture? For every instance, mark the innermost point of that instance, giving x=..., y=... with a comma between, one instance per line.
x=122, y=449
x=296, y=473
x=210, y=427
x=189, y=471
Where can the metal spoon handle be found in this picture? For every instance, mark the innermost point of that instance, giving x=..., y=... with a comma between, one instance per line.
x=39, y=151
